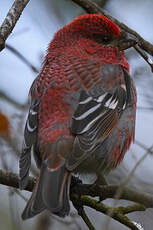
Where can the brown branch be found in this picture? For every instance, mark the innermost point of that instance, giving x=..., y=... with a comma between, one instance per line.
x=109, y=191
x=102, y=3
x=104, y=192
x=12, y=180
x=78, y=197
x=11, y=20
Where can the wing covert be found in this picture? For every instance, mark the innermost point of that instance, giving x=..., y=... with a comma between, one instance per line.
x=93, y=120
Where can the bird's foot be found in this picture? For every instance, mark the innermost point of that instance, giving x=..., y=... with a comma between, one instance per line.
x=100, y=181
x=75, y=181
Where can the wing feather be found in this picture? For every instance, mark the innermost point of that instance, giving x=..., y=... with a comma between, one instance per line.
x=29, y=141
x=92, y=122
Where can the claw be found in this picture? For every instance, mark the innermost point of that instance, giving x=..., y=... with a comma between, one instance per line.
x=101, y=180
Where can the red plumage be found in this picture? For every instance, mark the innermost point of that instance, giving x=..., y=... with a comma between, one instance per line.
x=82, y=114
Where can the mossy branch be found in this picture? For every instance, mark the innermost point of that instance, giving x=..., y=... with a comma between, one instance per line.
x=117, y=213
x=80, y=193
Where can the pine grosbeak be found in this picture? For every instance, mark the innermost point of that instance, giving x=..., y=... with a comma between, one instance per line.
x=82, y=112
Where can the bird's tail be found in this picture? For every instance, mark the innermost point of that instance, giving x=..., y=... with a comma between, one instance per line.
x=51, y=192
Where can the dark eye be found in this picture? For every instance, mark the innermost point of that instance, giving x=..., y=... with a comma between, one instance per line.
x=106, y=39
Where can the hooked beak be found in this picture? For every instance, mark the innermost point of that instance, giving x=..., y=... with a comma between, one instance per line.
x=125, y=43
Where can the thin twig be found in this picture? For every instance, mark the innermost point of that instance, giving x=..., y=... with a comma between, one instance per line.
x=144, y=56
x=144, y=147
x=8, y=99
x=20, y=194
x=145, y=108
x=25, y=60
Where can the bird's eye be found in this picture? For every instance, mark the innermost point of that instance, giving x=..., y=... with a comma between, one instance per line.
x=101, y=39
x=106, y=39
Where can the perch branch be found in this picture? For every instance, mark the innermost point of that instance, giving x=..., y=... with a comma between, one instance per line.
x=144, y=200
x=104, y=192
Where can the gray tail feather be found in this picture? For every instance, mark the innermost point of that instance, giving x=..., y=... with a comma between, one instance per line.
x=51, y=192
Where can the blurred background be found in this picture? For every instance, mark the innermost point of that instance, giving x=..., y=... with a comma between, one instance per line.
x=32, y=33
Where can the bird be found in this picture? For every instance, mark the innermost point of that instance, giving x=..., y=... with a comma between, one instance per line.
x=82, y=111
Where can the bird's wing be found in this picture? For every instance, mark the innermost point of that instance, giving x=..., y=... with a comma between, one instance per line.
x=96, y=117
x=29, y=140
x=30, y=136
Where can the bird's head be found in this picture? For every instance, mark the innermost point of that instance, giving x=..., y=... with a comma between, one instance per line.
x=98, y=29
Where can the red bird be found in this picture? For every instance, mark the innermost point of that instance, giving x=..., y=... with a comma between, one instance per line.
x=82, y=112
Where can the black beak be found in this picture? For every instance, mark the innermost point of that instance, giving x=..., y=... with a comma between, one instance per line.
x=127, y=42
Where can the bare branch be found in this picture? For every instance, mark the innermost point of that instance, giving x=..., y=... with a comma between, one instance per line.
x=11, y=20
x=12, y=180
x=102, y=3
